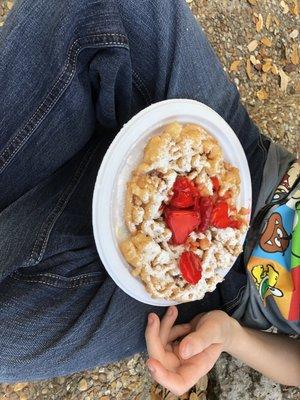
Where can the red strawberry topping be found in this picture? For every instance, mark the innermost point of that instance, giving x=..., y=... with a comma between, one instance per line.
x=205, y=206
x=190, y=267
x=181, y=223
x=184, y=193
x=216, y=183
x=220, y=218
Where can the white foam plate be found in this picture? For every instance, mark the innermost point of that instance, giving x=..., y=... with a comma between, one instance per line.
x=124, y=154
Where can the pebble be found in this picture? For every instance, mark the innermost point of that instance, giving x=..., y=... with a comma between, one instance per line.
x=82, y=385
x=102, y=377
x=20, y=386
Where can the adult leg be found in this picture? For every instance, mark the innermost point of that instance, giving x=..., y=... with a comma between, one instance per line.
x=55, y=285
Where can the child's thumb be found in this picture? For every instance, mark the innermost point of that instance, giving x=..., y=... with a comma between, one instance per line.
x=197, y=341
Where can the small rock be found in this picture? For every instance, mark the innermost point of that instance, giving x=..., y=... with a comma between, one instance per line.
x=82, y=385
x=294, y=34
x=102, y=377
x=290, y=68
x=20, y=386
x=9, y=5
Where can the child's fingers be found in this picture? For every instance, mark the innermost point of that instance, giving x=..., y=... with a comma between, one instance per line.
x=152, y=335
x=178, y=331
x=166, y=324
x=170, y=380
x=197, y=341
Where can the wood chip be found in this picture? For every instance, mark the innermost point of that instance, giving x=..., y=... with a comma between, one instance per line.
x=295, y=8
x=254, y=60
x=295, y=54
x=249, y=70
x=285, y=7
x=262, y=95
x=252, y=2
x=252, y=45
x=284, y=80
x=294, y=34
x=274, y=70
x=276, y=20
x=9, y=5
x=234, y=66
x=268, y=21
x=267, y=66
x=259, y=23
x=264, y=77
x=266, y=41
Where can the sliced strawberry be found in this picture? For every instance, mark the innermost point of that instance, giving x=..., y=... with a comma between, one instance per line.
x=235, y=224
x=184, y=193
x=216, y=183
x=205, y=206
x=181, y=223
x=190, y=266
x=184, y=183
x=182, y=200
x=220, y=218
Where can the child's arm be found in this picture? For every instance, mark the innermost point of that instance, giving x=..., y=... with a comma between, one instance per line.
x=275, y=356
x=179, y=367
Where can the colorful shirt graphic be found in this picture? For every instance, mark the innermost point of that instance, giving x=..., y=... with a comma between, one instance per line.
x=275, y=261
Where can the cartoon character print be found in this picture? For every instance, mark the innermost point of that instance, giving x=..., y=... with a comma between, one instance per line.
x=287, y=182
x=283, y=188
x=295, y=256
x=294, y=314
x=266, y=278
x=274, y=238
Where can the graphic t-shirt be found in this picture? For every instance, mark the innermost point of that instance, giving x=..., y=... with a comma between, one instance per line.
x=274, y=265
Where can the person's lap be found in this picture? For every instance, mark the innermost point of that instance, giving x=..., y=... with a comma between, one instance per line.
x=60, y=311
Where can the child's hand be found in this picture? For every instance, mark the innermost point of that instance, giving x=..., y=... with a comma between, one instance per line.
x=179, y=366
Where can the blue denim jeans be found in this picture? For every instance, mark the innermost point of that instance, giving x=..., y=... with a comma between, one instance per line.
x=72, y=73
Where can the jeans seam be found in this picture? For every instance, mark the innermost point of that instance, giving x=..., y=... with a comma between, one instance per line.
x=141, y=87
x=57, y=283
x=65, y=78
x=232, y=303
x=44, y=233
x=262, y=146
x=54, y=276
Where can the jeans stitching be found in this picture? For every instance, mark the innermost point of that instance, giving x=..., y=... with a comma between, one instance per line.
x=141, y=87
x=58, y=284
x=54, y=276
x=43, y=235
x=65, y=78
x=232, y=303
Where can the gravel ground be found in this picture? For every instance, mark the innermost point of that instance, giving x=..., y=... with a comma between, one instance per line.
x=258, y=44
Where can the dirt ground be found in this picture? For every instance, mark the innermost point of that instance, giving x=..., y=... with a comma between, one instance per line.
x=258, y=44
